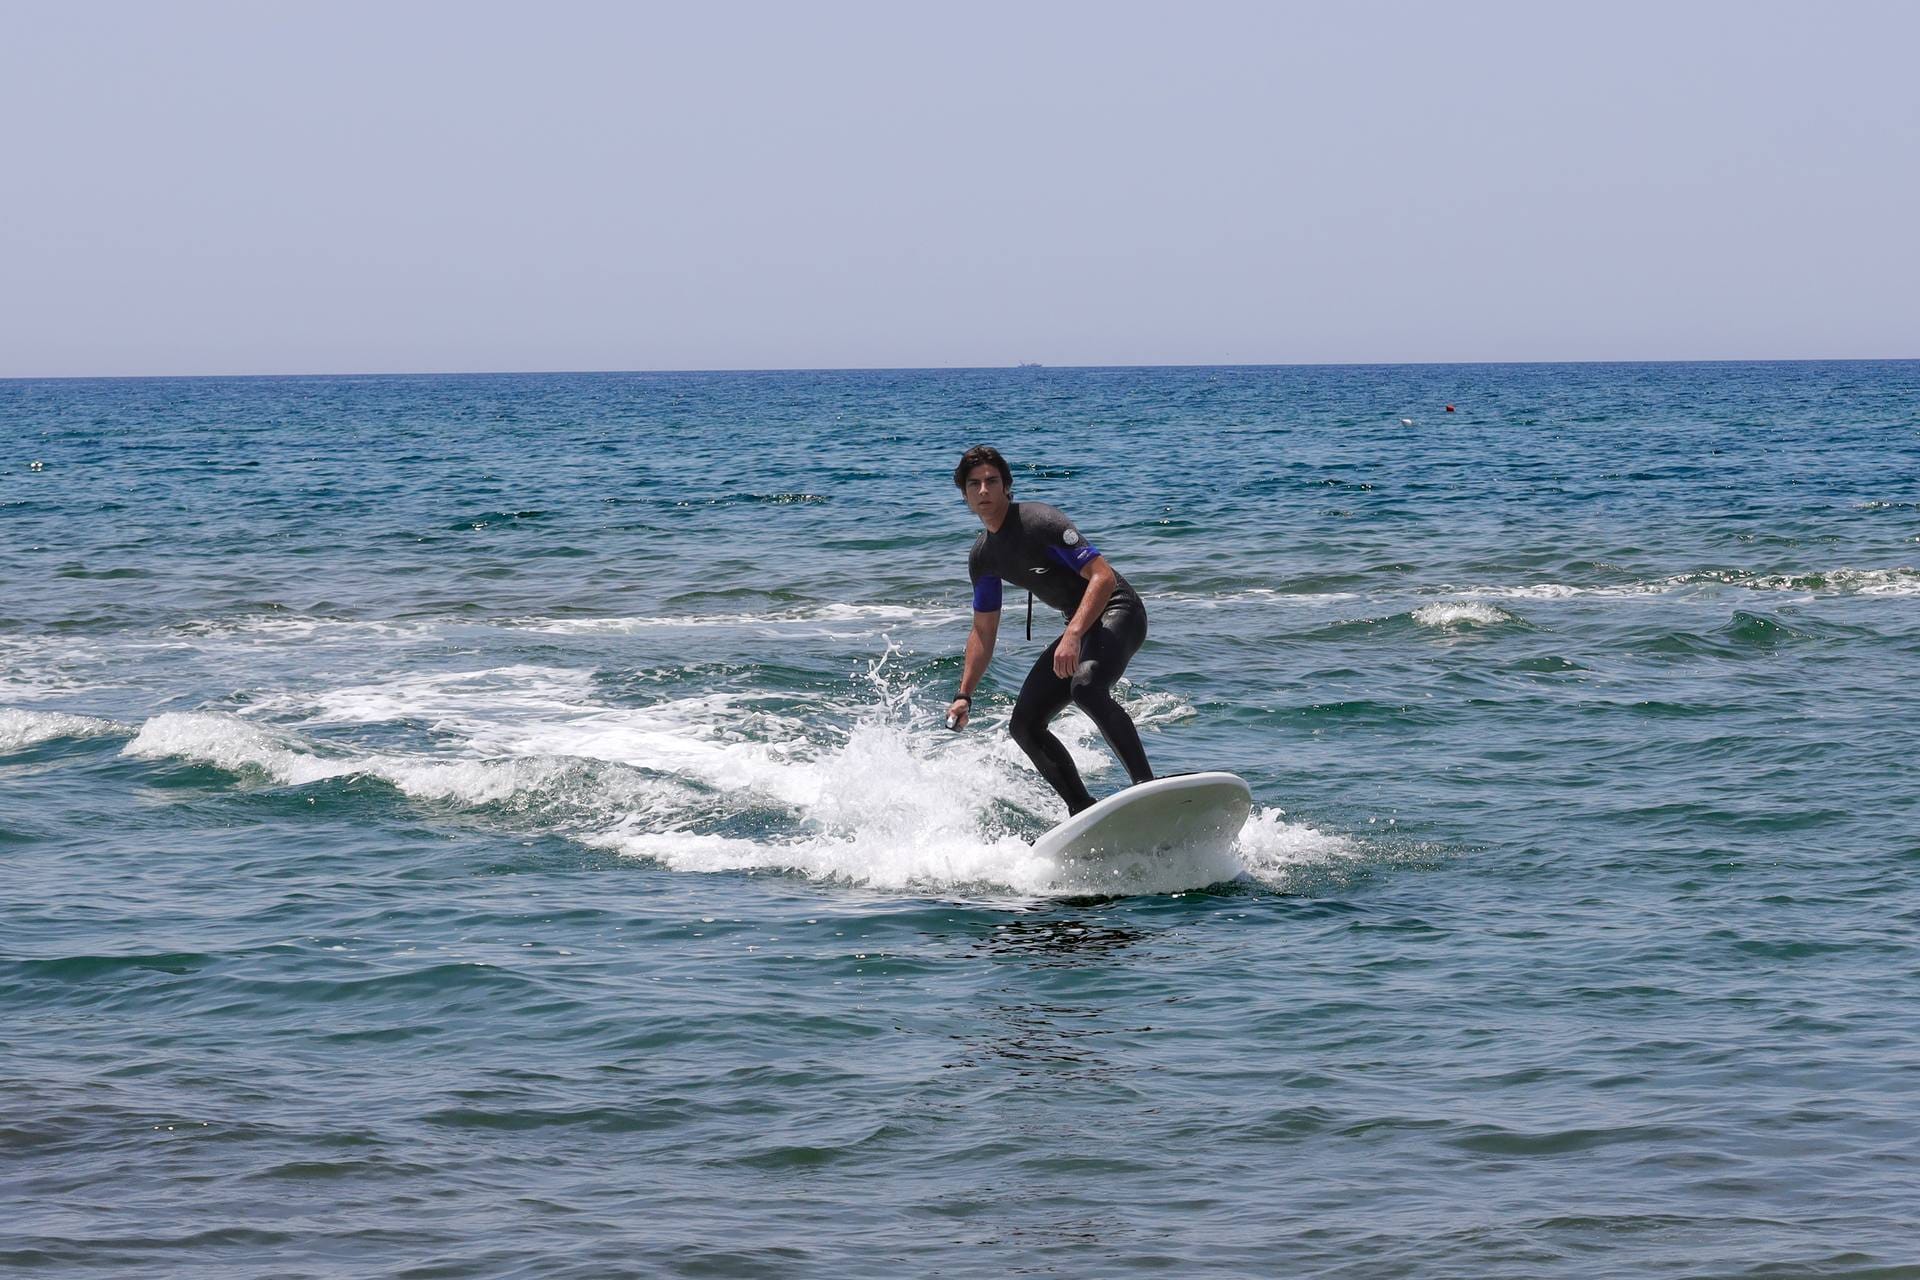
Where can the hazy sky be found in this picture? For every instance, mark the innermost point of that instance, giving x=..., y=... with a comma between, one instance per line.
x=345, y=187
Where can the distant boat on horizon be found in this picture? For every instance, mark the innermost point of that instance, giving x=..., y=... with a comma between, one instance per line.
x=1030, y=364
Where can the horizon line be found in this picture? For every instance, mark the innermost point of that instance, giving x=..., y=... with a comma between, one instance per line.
x=956, y=368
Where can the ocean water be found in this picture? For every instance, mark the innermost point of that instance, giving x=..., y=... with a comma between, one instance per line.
x=502, y=826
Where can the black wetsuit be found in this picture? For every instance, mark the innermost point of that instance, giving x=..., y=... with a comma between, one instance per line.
x=1037, y=548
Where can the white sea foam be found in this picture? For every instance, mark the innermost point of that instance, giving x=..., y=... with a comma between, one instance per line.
x=1538, y=591
x=34, y=667
x=916, y=829
x=733, y=742
x=957, y=860
x=274, y=628
x=898, y=805
x=235, y=745
x=458, y=698
x=861, y=788
x=827, y=613
x=549, y=784
x=1900, y=581
x=891, y=807
x=1274, y=850
x=20, y=729
x=720, y=740
x=1253, y=595
x=1458, y=613
x=242, y=747
x=873, y=792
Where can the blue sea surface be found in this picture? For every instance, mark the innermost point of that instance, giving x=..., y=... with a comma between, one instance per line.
x=502, y=826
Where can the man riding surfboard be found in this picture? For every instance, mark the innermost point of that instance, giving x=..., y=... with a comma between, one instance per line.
x=1035, y=547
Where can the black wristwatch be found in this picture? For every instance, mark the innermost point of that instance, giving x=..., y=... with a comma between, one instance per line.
x=963, y=697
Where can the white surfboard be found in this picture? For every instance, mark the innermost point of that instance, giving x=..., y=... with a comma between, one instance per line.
x=1187, y=812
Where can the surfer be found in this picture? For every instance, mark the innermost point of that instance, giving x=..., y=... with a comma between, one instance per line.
x=1034, y=546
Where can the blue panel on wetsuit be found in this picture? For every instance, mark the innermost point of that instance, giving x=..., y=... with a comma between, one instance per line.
x=1075, y=558
x=986, y=595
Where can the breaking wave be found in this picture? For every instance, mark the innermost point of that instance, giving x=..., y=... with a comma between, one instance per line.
x=20, y=729
x=871, y=793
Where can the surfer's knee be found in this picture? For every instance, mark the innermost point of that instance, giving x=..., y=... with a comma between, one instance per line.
x=1025, y=724
x=1089, y=693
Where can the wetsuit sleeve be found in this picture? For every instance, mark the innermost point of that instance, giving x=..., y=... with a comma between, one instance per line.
x=1065, y=545
x=986, y=586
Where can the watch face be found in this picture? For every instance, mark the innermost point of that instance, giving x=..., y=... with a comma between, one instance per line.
x=1071, y=536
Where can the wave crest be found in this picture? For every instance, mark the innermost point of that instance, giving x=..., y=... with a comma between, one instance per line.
x=1461, y=613
x=20, y=729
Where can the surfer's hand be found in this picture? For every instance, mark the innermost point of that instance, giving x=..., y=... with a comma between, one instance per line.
x=957, y=712
x=1066, y=655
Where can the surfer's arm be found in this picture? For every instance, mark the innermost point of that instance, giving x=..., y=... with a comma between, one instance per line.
x=1101, y=580
x=986, y=629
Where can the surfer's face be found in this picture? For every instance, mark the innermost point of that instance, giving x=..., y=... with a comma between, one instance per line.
x=987, y=494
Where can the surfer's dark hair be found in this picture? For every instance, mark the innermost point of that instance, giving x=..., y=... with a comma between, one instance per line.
x=974, y=457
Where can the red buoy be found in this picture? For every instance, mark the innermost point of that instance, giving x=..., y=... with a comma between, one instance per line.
x=1449, y=408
